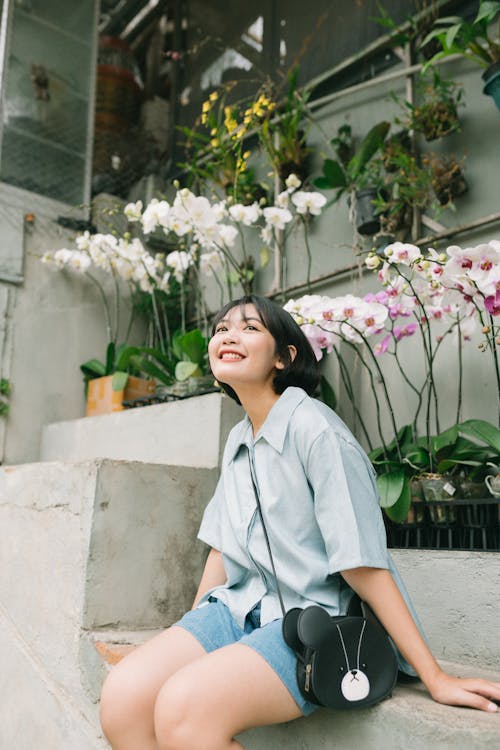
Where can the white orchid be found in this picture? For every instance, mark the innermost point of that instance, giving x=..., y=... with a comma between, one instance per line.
x=133, y=211
x=246, y=215
x=293, y=182
x=308, y=202
x=277, y=218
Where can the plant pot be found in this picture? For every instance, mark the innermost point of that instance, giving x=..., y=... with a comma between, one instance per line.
x=471, y=490
x=438, y=487
x=102, y=399
x=453, y=187
x=367, y=220
x=491, y=78
x=190, y=387
x=436, y=120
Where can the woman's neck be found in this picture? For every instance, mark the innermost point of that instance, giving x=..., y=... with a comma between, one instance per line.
x=257, y=404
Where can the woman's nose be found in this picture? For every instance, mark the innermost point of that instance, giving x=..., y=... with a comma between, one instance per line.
x=231, y=335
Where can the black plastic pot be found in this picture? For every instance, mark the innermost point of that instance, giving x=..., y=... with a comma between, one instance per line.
x=367, y=221
x=491, y=78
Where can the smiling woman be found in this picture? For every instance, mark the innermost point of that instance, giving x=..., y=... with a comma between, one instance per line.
x=225, y=666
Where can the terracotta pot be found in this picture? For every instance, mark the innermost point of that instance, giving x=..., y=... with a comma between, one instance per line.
x=102, y=399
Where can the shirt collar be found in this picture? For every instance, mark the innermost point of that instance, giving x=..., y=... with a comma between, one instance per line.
x=275, y=426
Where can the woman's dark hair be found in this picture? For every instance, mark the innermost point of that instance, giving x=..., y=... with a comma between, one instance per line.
x=303, y=370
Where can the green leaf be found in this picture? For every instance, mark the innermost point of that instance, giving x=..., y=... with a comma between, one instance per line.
x=185, y=370
x=110, y=358
x=334, y=173
x=444, y=439
x=119, y=380
x=192, y=346
x=93, y=368
x=452, y=33
x=390, y=486
x=368, y=147
x=124, y=354
x=399, y=511
x=327, y=393
x=482, y=431
x=322, y=183
x=487, y=11
x=149, y=368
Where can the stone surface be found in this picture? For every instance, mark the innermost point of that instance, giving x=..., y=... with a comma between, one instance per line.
x=190, y=432
x=86, y=544
x=410, y=720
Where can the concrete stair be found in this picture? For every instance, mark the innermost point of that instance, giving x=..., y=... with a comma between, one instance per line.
x=99, y=555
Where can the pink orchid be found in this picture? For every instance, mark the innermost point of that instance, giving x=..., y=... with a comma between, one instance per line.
x=492, y=303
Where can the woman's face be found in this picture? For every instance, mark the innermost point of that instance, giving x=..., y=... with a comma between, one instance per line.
x=242, y=352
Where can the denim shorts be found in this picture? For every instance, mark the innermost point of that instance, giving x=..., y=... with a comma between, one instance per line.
x=213, y=626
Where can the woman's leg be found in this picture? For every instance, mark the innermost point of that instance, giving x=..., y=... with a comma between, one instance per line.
x=131, y=688
x=209, y=701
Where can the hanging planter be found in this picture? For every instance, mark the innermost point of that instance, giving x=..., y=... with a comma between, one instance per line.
x=448, y=180
x=367, y=219
x=491, y=78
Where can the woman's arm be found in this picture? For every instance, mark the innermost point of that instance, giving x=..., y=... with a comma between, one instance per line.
x=213, y=575
x=378, y=588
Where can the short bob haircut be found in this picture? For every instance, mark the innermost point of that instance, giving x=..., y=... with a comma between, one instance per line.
x=303, y=371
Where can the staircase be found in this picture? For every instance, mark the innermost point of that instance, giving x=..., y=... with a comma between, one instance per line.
x=98, y=554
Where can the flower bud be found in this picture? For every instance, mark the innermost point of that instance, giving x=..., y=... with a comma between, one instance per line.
x=176, y=184
x=486, y=329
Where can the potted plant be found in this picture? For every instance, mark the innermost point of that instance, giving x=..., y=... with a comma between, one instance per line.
x=407, y=186
x=282, y=130
x=184, y=373
x=436, y=112
x=356, y=173
x=475, y=41
x=447, y=177
x=108, y=384
x=5, y=391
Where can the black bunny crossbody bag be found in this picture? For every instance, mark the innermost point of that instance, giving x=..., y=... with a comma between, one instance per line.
x=343, y=662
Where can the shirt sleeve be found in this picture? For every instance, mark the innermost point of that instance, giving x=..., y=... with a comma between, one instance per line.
x=210, y=529
x=346, y=504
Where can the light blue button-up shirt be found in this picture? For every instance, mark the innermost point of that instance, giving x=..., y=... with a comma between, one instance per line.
x=320, y=503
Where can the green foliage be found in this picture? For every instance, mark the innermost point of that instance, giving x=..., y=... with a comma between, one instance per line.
x=117, y=362
x=5, y=391
x=472, y=39
x=189, y=358
x=356, y=172
x=465, y=449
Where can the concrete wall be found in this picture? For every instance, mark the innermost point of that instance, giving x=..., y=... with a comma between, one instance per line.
x=53, y=322
x=50, y=323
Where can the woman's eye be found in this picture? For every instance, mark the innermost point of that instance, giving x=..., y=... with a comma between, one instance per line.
x=251, y=327
x=219, y=329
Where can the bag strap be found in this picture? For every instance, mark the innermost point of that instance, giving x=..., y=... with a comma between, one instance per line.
x=266, y=536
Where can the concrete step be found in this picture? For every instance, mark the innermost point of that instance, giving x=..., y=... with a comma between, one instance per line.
x=96, y=544
x=410, y=720
x=162, y=433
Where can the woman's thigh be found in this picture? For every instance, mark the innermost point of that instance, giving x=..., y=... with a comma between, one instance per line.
x=131, y=688
x=212, y=699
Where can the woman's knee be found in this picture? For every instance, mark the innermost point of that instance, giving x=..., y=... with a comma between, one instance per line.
x=121, y=703
x=178, y=721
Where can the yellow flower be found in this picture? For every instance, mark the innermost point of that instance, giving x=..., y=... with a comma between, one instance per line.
x=247, y=154
x=213, y=96
x=205, y=107
x=247, y=119
x=215, y=142
x=204, y=118
x=213, y=131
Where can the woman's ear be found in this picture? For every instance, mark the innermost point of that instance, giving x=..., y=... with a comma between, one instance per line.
x=293, y=353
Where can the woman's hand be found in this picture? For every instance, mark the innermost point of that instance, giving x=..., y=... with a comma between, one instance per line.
x=459, y=691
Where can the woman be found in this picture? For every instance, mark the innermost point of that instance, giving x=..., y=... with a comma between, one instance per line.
x=224, y=667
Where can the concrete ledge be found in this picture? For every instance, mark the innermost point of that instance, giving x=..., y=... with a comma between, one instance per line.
x=190, y=432
x=410, y=720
